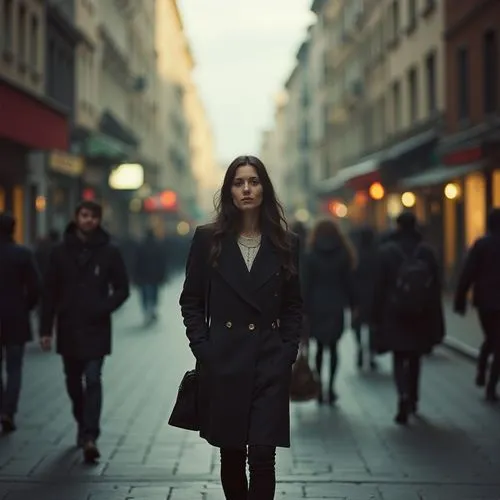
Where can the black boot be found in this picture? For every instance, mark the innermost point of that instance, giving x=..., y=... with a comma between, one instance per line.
x=401, y=417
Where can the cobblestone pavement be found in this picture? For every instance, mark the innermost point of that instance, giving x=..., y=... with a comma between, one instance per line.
x=353, y=451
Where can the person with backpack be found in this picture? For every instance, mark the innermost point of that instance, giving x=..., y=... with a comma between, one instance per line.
x=407, y=314
x=481, y=272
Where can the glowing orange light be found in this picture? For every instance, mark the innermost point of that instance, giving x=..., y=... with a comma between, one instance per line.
x=377, y=191
x=168, y=199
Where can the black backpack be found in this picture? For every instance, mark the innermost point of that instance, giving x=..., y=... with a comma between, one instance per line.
x=412, y=293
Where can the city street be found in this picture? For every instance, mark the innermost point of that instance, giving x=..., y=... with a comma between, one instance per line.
x=353, y=451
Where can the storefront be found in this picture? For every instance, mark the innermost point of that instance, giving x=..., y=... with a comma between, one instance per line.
x=27, y=124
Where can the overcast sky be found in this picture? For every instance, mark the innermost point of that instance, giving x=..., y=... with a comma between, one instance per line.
x=244, y=51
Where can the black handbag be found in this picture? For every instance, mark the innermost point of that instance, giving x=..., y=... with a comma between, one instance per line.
x=185, y=413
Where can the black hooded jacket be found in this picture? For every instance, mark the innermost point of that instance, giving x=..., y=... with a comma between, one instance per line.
x=19, y=289
x=85, y=283
x=481, y=271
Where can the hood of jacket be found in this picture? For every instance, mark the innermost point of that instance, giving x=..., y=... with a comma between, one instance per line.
x=98, y=238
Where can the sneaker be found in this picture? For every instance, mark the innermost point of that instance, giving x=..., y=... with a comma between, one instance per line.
x=90, y=452
x=491, y=396
x=8, y=424
x=401, y=417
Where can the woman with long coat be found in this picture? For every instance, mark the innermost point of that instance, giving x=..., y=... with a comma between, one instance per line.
x=242, y=309
x=328, y=291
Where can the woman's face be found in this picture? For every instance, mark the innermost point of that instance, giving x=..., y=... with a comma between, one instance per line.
x=247, y=189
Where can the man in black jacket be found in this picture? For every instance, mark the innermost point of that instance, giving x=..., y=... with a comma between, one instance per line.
x=481, y=272
x=19, y=293
x=85, y=282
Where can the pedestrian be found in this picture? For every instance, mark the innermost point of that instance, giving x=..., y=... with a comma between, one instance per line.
x=86, y=281
x=19, y=293
x=242, y=272
x=407, y=308
x=328, y=291
x=150, y=273
x=364, y=282
x=481, y=273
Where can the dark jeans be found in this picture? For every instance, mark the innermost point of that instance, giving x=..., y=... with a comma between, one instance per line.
x=333, y=361
x=86, y=400
x=261, y=461
x=490, y=322
x=407, y=375
x=149, y=298
x=9, y=397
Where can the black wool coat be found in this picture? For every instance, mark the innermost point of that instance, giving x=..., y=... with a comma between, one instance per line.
x=20, y=288
x=84, y=284
x=245, y=353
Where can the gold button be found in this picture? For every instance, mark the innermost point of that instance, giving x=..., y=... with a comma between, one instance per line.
x=229, y=324
x=251, y=327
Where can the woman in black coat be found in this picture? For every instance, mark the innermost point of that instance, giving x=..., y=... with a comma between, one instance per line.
x=328, y=291
x=242, y=309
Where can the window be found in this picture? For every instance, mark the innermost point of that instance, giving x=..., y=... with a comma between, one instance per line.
x=490, y=71
x=413, y=94
x=463, y=83
x=34, y=33
x=430, y=69
x=412, y=15
x=395, y=20
x=21, y=35
x=8, y=6
x=396, y=103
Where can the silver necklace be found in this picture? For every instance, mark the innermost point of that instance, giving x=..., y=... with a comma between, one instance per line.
x=249, y=244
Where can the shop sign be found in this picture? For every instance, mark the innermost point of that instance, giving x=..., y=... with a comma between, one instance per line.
x=463, y=156
x=65, y=163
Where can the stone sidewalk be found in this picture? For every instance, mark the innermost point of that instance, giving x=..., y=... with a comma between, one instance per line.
x=352, y=451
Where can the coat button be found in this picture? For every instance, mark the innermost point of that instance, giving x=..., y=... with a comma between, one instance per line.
x=251, y=327
x=228, y=324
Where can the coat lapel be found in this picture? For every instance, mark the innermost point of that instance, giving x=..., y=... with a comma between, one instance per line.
x=266, y=264
x=232, y=268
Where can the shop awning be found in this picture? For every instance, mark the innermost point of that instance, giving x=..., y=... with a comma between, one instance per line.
x=103, y=146
x=354, y=174
x=439, y=175
x=411, y=144
x=29, y=121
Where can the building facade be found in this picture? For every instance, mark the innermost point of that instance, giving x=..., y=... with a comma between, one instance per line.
x=31, y=123
x=471, y=144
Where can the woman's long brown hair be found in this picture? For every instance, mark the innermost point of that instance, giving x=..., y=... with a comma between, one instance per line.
x=272, y=220
x=328, y=228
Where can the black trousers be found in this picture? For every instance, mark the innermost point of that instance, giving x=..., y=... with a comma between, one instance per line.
x=490, y=322
x=334, y=358
x=261, y=461
x=86, y=399
x=406, y=367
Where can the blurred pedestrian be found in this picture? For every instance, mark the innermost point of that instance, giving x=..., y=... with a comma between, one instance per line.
x=328, y=291
x=364, y=282
x=481, y=273
x=407, y=308
x=86, y=281
x=150, y=273
x=19, y=293
x=242, y=274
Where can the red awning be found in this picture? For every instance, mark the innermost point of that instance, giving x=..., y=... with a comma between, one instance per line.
x=30, y=122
